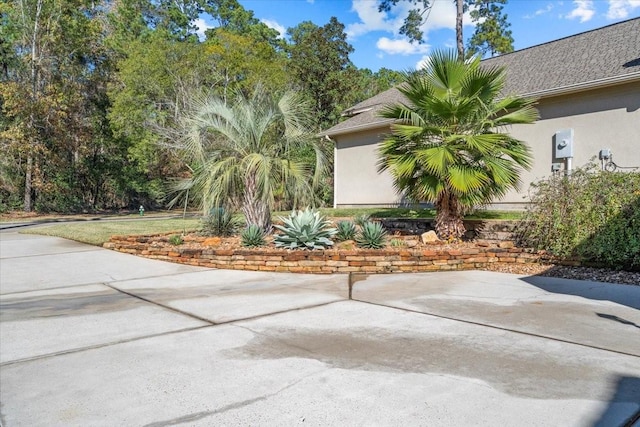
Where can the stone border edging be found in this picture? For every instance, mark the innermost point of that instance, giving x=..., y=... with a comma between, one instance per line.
x=333, y=260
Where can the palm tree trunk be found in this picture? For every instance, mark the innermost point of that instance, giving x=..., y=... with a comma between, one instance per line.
x=255, y=209
x=459, y=38
x=449, y=224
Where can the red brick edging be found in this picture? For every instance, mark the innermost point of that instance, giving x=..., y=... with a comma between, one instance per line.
x=332, y=260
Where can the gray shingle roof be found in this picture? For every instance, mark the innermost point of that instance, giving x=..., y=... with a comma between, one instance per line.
x=595, y=57
x=600, y=54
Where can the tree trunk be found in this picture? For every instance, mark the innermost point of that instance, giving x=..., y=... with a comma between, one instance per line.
x=449, y=224
x=459, y=39
x=28, y=184
x=255, y=209
x=35, y=58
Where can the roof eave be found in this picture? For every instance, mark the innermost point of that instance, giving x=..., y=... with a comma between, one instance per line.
x=579, y=87
x=363, y=127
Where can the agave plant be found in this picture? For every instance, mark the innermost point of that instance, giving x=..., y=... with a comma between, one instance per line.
x=304, y=229
x=361, y=219
x=253, y=236
x=346, y=230
x=371, y=236
x=219, y=222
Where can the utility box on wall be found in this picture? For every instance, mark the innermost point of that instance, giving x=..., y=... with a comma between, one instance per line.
x=564, y=144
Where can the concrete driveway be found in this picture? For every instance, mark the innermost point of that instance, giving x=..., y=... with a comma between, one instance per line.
x=94, y=337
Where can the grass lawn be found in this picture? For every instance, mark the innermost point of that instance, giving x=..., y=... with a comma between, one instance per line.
x=98, y=232
x=412, y=213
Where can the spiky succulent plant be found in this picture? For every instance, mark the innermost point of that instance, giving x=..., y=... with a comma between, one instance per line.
x=304, y=230
x=372, y=235
x=253, y=236
x=346, y=230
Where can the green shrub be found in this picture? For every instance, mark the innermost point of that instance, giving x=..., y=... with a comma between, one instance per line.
x=176, y=240
x=346, y=230
x=372, y=235
x=304, y=229
x=591, y=214
x=219, y=222
x=253, y=236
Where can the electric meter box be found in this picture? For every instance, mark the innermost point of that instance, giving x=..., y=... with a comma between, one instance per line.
x=564, y=144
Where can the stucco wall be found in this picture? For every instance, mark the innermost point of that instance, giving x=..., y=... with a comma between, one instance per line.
x=603, y=118
x=357, y=181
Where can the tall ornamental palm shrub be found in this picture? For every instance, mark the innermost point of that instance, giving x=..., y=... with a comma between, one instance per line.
x=245, y=153
x=448, y=144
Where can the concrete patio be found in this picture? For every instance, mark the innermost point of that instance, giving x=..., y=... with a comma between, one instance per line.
x=94, y=337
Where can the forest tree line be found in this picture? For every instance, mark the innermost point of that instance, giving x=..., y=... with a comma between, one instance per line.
x=91, y=90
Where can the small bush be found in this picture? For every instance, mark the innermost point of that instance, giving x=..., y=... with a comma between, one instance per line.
x=219, y=222
x=304, y=230
x=591, y=214
x=253, y=236
x=346, y=230
x=371, y=236
x=176, y=240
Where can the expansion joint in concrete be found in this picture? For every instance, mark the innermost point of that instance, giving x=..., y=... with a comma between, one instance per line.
x=93, y=347
x=167, y=307
x=470, y=322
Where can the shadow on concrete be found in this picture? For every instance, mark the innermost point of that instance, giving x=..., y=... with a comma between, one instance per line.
x=619, y=411
x=628, y=295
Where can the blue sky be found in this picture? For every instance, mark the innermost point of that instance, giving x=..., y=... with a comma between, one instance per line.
x=374, y=35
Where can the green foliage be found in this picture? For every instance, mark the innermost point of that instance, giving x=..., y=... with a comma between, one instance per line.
x=346, y=230
x=590, y=214
x=245, y=63
x=320, y=63
x=372, y=235
x=253, y=236
x=304, y=230
x=446, y=147
x=176, y=240
x=219, y=222
x=492, y=34
x=361, y=219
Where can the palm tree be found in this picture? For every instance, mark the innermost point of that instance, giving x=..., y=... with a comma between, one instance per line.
x=445, y=145
x=245, y=154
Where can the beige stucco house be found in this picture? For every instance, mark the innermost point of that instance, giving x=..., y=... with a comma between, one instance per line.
x=588, y=86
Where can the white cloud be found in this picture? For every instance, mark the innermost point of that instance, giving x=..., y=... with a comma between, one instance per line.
x=201, y=26
x=273, y=24
x=583, y=9
x=441, y=15
x=400, y=46
x=370, y=19
x=620, y=9
x=311, y=1
x=539, y=12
